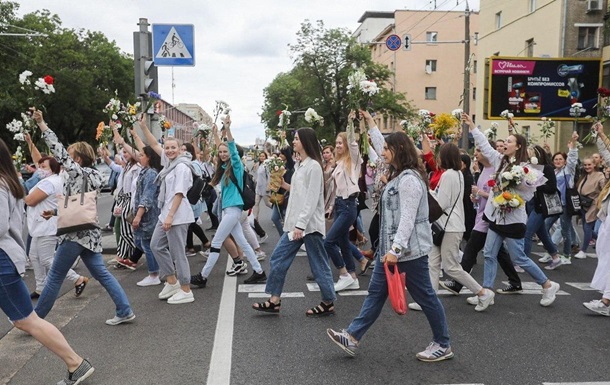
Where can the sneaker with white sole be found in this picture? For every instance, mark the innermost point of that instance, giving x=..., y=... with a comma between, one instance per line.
x=548, y=295
x=84, y=370
x=343, y=282
x=414, y=306
x=545, y=258
x=343, y=340
x=510, y=289
x=119, y=320
x=169, y=290
x=238, y=268
x=565, y=260
x=485, y=300
x=264, y=238
x=434, y=353
x=354, y=286
x=260, y=255
x=149, y=281
x=519, y=269
x=554, y=264
x=181, y=297
x=598, y=307
x=580, y=255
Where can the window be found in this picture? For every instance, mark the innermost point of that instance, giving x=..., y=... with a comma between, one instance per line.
x=587, y=37
x=474, y=67
x=606, y=76
x=594, y=5
x=499, y=20
x=430, y=93
x=529, y=47
x=430, y=66
x=431, y=37
x=532, y=6
x=474, y=93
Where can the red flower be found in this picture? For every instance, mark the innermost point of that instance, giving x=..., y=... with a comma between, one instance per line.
x=604, y=92
x=526, y=170
x=48, y=79
x=279, y=112
x=491, y=183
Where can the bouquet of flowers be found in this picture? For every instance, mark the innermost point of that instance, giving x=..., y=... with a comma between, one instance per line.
x=547, y=128
x=509, y=117
x=603, y=104
x=457, y=113
x=275, y=168
x=576, y=110
x=505, y=185
x=32, y=88
x=223, y=108
x=312, y=117
x=152, y=98
x=425, y=119
x=444, y=125
x=360, y=89
x=18, y=159
x=164, y=123
x=412, y=130
x=44, y=84
x=103, y=134
x=492, y=132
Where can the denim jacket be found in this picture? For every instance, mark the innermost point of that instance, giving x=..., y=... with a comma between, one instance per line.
x=419, y=241
x=147, y=193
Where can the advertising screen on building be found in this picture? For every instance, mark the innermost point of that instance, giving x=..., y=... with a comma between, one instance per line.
x=536, y=87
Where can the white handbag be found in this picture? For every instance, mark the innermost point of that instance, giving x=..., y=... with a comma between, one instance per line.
x=77, y=212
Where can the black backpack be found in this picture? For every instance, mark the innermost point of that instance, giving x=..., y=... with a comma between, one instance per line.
x=194, y=193
x=248, y=194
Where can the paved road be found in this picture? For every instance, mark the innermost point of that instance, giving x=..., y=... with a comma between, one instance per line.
x=219, y=339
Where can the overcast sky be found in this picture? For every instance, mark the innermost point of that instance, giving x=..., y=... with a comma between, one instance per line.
x=240, y=45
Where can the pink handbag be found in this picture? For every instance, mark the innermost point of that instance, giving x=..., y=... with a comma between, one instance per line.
x=396, y=289
x=77, y=212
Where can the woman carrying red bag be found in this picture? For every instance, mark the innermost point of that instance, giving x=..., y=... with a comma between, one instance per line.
x=405, y=240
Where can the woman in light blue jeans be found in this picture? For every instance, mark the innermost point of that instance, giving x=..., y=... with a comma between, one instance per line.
x=304, y=223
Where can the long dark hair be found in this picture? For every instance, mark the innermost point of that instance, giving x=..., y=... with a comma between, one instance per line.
x=405, y=156
x=449, y=155
x=542, y=155
x=154, y=160
x=191, y=150
x=520, y=155
x=8, y=174
x=220, y=171
x=309, y=141
x=287, y=152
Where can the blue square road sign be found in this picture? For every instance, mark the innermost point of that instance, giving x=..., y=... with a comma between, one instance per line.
x=173, y=44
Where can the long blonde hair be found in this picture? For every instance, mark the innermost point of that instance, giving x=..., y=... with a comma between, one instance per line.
x=603, y=194
x=346, y=157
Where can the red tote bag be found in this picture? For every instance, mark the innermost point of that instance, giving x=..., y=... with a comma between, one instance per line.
x=396, y=289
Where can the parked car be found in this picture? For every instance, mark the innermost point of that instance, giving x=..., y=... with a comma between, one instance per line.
x=105, y=170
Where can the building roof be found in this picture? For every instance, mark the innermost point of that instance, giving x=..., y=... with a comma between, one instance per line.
x=376, y=15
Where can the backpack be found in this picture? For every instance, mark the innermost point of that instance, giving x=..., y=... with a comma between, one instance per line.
x=194, y=193
x=207, y=189
x=248, y=194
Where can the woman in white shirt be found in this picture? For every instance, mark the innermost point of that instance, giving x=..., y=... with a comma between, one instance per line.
x=303, y=224
x=43, y=197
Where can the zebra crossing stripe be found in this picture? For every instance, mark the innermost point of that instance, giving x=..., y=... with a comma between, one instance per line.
x=581, y=285
x=299, y=294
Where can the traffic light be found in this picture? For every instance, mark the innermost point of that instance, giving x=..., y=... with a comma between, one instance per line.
x=407, y=42
x=145, y=70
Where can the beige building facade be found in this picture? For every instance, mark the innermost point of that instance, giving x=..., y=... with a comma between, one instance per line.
x=543, y=29
x=430, y=69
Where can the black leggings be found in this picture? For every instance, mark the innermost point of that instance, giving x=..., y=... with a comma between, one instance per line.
x=198, y=231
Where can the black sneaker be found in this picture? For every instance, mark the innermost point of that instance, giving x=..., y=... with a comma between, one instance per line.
x=510, y=289
x=198, y=280
x=257, y=278
x=79, y=375
x=240, y=268
x=451, y=287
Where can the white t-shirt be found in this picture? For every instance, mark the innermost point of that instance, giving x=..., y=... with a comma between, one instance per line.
x=37, y=225
x=179, y=180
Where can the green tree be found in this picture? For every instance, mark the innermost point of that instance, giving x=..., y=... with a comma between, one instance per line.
x=87, y=69
x=323, y=60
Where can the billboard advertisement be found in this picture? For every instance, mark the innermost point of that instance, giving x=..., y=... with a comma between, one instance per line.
x=532, y=88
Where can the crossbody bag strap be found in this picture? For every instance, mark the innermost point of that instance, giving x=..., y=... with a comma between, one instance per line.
x=85, y=187
x=234, y=180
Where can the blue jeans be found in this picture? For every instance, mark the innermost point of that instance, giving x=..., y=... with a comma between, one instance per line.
x=535, y=225
x=284, y=254
x=420, y=288
x=15, y=299
x=337, y=244
x=565, y=221
x=151, y=262
x=66, y=254
x=277, y=217
x=588, y=230
x=515, y=248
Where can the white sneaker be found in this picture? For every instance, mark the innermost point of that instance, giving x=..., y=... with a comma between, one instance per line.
x=565, y=260
x=149, y=281
x=169, y=290
x=598, y=307
x=486, y=300
x=519, y=269
x=434, y=352
x=263, y=239
x=474, y=300
x=548, y=295
x=540, y=244
x=414, y=306
x=580, y=255
x=354, y=286
x=260, y=255
x=119, y=320
x=205, y=253
x=545, y=258
x=302, y=248
x=343, y=282
x=181, y=297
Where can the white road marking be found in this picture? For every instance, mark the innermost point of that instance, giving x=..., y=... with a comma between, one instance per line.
x=220, y=362
x=581, y=285
x=284, y=295
x=251, y=288
x=349, y=293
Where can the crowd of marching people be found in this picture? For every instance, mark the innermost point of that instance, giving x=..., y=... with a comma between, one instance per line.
x=434, y=210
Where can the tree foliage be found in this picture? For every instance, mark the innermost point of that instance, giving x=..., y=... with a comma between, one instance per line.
x=86, y=66
x=323, y=59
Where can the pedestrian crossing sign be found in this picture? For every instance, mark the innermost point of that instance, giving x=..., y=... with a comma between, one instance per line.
x=173, y=44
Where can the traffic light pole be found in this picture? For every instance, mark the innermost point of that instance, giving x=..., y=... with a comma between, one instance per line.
x=145, y=72
x=466, y=97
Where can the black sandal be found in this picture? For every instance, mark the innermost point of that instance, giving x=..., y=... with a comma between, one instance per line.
x=267, y=306
x=321, y=310
x=78, y=289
